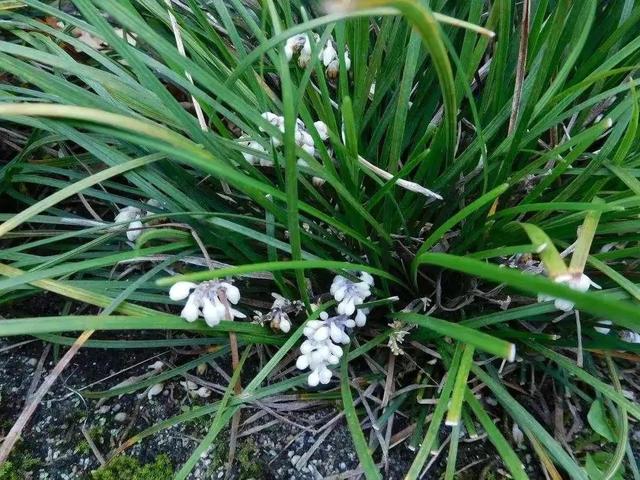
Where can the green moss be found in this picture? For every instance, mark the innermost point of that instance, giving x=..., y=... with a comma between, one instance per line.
x=83, y=448
x=125, y=467
x=246, y=461
x=246, y=464
x=18, y=467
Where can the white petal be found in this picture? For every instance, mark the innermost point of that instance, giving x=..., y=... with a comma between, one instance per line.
x=340, y=293
x=338, y=281
x=190, y=312
x=361, y=318
x=321, y=334
x=285, y=325
x=336, y=333
x=233, y=294
x=347, y=60
x=306, y=347
x=180, y=290
x=564, y=305
x=313, y=379
x=367, y=278
x=210, y=313
x=325, y=376
x=127, y=214
x=333, y=360
x=134, y=230
x=581, y=283
x=335, y=350
x=236, y=313
x=302, y=363
x=349, y=307
x=328, y=54
x=323, y=130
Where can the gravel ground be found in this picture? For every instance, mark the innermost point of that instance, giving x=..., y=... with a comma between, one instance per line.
x=270, y=444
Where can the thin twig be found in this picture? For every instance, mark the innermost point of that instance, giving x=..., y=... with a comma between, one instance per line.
x=37, y=375
x=30, y=408
x=92, y=445
x=521, y=67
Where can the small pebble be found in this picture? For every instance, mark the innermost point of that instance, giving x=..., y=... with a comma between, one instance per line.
x=120, y=417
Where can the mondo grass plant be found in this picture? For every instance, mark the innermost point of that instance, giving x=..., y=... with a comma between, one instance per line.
x=478, y=160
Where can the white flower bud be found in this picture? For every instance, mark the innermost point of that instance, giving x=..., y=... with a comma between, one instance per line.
x=127, y=214
x=323, y=130
x=367, y=278
x=232, y=292
x=285, y=325
x=210, y=313
x=134, y=230
x=329, y=53
x=191, y=310
x=325, y=376
x=302, y=363
x=180, y=290
x=306, y=347
x=313, y=379
x=321, y=334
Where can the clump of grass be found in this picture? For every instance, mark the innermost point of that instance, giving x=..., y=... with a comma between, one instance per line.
x=460, y=168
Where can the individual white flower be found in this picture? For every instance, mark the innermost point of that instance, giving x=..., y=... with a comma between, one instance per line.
x=131, y=215
x=293, y=45
x=205, y=300
x=350, y=294
x=578, y=282
x=279, y=313
x=601, y=329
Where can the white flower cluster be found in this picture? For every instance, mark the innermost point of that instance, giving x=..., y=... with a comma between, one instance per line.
x=578, y=282
x=322, y=346
x=134, y=216
x=204, y=300
x=302, y=138
x=324, y=336
x=301, y=45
